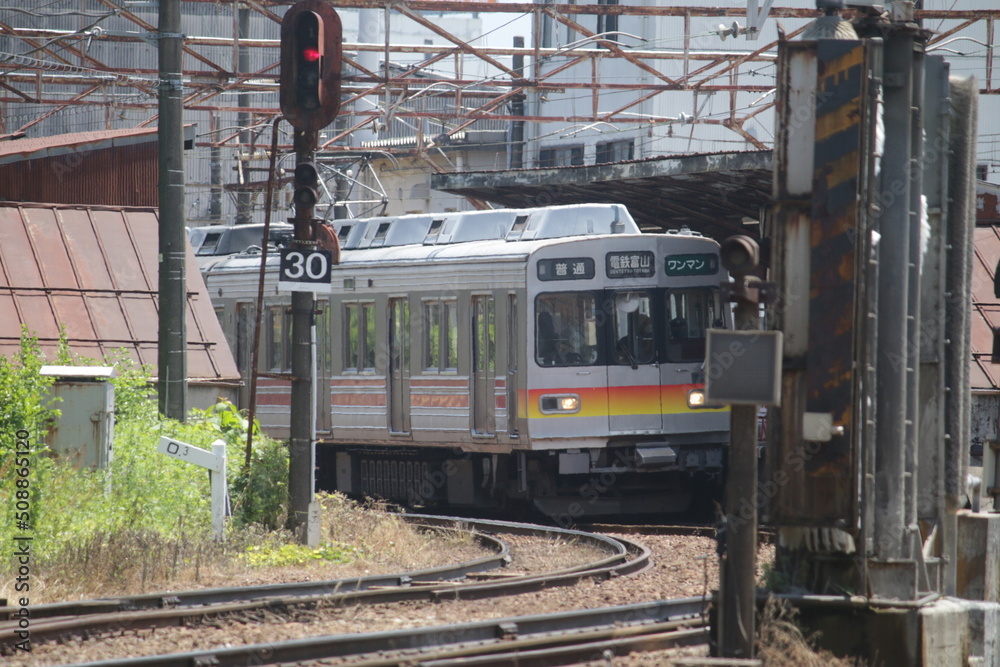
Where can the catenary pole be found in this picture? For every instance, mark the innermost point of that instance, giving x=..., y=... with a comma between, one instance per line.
x=172, y=350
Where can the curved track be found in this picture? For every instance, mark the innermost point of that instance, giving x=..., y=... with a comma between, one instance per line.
x=544, y=639
x=83, y=618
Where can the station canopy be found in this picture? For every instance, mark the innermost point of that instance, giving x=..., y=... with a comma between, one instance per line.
x=717, y=194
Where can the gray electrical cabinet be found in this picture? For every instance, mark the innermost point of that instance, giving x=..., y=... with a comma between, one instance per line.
x=83, y=434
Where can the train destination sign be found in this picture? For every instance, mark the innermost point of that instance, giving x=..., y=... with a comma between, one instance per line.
x=566, y=268
x=630, y=264
x=700, y=264
x=305, y=270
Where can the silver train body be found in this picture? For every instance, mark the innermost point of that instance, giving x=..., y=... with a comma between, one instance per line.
x=478, y=359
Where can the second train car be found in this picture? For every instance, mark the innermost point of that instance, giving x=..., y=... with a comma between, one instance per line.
x=479, y=359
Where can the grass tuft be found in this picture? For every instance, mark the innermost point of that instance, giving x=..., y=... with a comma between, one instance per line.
x=781, y=642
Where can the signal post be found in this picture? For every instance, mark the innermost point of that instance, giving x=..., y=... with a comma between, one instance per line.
x=310, y=99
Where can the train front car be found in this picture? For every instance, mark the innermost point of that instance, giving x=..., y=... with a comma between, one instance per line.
x=618, y=327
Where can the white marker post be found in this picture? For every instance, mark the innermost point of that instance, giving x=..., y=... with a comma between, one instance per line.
x=215, y=462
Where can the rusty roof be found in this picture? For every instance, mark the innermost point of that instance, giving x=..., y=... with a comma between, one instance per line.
x=93, y=271
x=35, y=147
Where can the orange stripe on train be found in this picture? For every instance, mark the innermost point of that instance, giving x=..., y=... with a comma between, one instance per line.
x=620, y=401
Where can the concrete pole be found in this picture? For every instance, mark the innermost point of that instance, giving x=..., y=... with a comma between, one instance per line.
x=516, y=160
x=244, y=201
x=215, y=171
x=915, y=273
x=961, y=223
x=301, y=454
x=893, y=301
x=172, y=343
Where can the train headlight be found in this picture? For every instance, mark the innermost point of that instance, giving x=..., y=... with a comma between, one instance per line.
x=559, y=404
x=696, y=399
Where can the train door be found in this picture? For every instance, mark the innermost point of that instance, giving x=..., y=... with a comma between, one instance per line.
x=687, y=315
x=399, y=365
x=513, y=335
x=483, y=366
x=633, y=371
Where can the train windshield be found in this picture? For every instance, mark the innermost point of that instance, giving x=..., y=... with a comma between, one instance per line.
x=566, y=329
x=690, y=313
x=627, y=327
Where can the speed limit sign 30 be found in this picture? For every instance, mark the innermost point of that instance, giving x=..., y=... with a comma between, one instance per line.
x=305, y=270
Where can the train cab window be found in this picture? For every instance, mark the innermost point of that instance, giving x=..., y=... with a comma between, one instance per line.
x=690, y=313
x=566, y=329
x=632, y=323
x=441, y=336
x=359, y=332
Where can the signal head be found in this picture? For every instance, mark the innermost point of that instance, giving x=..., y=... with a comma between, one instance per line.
x=740, y=254
x=310, y=64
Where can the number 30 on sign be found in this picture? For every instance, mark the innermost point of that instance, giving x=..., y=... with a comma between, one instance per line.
x=304, y=270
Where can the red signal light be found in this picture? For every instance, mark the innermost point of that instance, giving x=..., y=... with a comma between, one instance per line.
x=310, y=64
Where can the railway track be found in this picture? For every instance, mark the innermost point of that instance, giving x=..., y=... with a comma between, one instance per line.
x=621, y=557
x=543, y=639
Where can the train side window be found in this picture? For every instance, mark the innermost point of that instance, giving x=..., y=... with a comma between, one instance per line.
x=566, y=329
x=279, y=339
x=359, y=332
x=324, y=352
x=690, y=313
x=441, y=335
x=245, y=320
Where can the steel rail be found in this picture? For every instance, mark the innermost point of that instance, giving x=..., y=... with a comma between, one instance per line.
x=613, y=619
x=111, y=618
x=566, y=648
x=209, y=596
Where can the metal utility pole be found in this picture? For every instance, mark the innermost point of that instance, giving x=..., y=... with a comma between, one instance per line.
x=310, y=99
x=172, y=350
x=738, y=567
x=300, y=453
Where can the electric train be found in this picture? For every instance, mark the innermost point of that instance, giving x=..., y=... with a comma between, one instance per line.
x=550, y=356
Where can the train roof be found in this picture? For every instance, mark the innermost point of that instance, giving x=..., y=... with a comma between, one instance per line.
x=468, y=226
x=492, y=250
x=506, y=233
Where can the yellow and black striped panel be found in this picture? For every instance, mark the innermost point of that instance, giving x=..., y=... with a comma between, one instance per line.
x=839, y=133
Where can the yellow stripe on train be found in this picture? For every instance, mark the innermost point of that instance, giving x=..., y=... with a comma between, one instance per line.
x=618, y=401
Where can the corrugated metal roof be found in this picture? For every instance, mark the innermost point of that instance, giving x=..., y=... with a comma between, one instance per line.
x=107, y=168
x=60, y=144
x=93, y=271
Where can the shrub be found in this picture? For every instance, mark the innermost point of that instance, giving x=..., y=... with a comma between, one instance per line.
x=145, y=502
